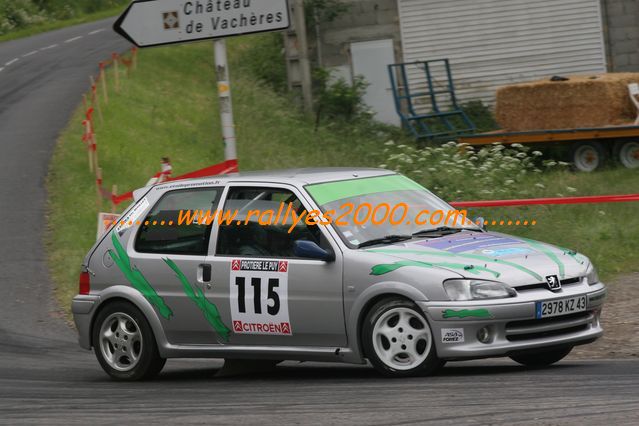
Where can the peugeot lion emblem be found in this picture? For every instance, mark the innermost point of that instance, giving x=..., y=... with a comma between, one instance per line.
x=553, y=282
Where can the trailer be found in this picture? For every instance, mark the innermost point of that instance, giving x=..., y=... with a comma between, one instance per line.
x=590, y=148
x=428, y=107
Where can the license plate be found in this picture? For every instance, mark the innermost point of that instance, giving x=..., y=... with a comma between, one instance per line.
x=553, y=308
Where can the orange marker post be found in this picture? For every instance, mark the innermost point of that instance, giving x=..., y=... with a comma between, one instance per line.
x=104, y=84
x=87, y=139
x=98, y=185
x=94, y=150
x=95, y=100
x=116, y=61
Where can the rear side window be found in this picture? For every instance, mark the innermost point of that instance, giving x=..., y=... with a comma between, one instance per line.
x=162, y=232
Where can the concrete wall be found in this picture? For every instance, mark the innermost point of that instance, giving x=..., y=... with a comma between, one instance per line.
x=622, y=31
x=364, y=21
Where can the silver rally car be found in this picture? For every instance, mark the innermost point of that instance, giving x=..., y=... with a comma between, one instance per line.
x=365, y=283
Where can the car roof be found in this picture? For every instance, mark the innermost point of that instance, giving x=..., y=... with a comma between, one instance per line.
x=300, y=177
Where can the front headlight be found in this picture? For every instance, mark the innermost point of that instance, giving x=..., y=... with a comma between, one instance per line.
x=477, y=289
x=591, y=275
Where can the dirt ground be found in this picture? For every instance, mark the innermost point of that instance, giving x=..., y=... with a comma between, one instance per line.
x=620, y=319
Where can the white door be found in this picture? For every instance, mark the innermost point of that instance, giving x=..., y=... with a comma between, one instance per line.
x=371, y=60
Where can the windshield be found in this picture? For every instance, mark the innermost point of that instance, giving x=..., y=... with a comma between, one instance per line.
x=368, y=209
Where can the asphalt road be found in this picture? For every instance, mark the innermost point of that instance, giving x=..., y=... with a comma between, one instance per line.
x=45, y=377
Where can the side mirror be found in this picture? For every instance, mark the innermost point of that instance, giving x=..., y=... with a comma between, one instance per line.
x=310, y=250
x=481, y=222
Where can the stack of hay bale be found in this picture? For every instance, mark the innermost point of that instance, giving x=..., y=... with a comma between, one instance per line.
x=578, y=102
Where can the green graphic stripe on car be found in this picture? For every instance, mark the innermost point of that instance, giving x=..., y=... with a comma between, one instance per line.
x=137, y=280
x=579, y=258
x=385, y=268
x=324, y=193
x=466, y=313
x=209, y=309
x=545, y=250
x=486, y=259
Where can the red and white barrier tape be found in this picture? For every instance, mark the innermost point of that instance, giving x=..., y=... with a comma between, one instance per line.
x=230, y=166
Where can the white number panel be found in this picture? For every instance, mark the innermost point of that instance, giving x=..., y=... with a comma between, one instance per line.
x=259, y=297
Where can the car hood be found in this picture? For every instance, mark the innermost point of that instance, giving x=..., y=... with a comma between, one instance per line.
x=487, y=255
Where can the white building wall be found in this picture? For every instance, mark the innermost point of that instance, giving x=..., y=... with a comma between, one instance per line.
x=491, y=43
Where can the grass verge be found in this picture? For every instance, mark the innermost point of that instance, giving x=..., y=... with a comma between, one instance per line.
x=54, y=25
x=169, y=107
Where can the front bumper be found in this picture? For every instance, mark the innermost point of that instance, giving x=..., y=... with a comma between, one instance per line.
x=512, y=327
x=83, y=309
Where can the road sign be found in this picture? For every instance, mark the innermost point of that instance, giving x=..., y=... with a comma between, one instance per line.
x=158, y=22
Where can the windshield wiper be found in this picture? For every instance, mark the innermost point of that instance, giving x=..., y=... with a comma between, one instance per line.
x=388, y=239
x=442, y=230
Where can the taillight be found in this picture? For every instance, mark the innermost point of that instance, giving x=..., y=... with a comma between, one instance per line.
x=85, y=283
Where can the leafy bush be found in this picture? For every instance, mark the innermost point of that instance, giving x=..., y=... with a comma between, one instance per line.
x=263, y=56
x=336, y=98
x=16, y=14
x=458, y=171
x=56, y=7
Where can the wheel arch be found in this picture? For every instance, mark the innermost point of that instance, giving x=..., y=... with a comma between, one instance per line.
x=135, y=298
x=368, y=299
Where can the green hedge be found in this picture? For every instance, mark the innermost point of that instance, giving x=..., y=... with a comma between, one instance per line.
x=20, y=14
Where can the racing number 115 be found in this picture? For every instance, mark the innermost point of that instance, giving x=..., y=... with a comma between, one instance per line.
x=256, y=283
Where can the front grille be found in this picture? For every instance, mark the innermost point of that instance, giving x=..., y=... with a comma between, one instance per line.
x=517, y=331
x=565, y=282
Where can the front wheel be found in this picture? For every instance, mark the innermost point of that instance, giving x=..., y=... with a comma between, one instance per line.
x=541, y=359
x=398, y=341
x=124, y=343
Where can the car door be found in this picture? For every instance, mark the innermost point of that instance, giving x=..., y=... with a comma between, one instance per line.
x=273, y=297
x=170, y=252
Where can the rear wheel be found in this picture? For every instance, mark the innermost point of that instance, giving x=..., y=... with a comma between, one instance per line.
x=627, y=153
x=541, y=359
x=588, y=156
x=124, y=343
x=398, y=341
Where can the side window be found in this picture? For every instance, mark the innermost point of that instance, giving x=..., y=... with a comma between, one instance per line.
x=167, y=231
x=262, y=223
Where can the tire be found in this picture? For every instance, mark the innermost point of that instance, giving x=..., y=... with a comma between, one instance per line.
x=124, y=343
x=541, y=359
x=398, y=341
x=627, y=153
x=588, y=156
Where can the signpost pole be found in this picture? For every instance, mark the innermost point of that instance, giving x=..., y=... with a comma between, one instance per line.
x=226, y=104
